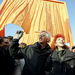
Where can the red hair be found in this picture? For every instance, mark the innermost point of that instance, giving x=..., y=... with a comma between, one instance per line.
x=54, y=41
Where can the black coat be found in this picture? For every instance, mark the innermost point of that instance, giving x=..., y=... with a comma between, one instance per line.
x=6, y=62
x=34, y=56
x=62, y=62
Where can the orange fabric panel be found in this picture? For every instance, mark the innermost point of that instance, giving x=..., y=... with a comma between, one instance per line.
x=2, y=33
x=52, y=17
x=37, y=15
x=19, y=12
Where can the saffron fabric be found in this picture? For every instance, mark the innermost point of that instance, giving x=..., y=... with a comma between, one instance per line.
x=37, y=15
x=2, y=32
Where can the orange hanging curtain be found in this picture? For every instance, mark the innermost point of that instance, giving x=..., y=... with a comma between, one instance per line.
x=2, y=32
x=36, y=15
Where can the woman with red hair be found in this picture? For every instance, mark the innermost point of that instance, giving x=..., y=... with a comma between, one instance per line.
x=62, y=59
x=60, y=41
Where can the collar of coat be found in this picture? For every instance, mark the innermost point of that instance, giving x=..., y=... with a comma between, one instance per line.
x=46, y=49
x=68, y=55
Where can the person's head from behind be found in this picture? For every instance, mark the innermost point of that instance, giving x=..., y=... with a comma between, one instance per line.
x=59, y=41
x=10, y=38
x=44, y=37
x=73, y=48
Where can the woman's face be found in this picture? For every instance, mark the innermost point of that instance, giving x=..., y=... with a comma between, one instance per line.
x=59, y=42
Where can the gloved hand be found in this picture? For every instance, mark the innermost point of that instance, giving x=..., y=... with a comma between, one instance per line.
x=18, y=34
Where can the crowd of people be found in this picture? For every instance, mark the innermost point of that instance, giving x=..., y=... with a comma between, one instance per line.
x=39, y=58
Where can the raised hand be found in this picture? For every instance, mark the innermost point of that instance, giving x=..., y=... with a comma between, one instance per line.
x=18, y=34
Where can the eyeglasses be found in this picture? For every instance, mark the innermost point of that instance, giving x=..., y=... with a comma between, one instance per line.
x=42, y=35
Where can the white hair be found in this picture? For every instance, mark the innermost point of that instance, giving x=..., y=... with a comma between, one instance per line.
x=47, y=34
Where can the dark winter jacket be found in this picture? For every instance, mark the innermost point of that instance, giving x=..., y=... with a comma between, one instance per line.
x=63, y=62
x=6, y=62
x=34, y=56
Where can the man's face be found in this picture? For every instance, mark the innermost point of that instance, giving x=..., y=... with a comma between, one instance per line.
x=5, y=42
x=43, y=38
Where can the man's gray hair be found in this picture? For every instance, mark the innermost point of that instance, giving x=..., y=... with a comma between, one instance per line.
x=47, y=34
